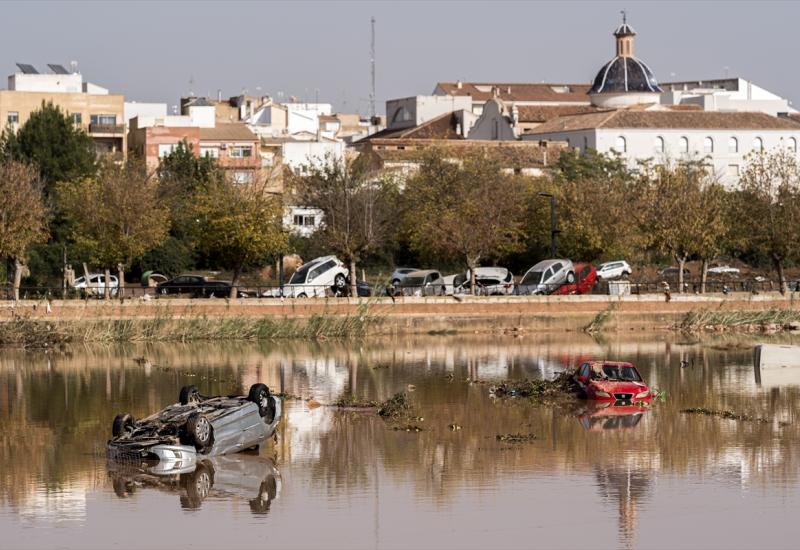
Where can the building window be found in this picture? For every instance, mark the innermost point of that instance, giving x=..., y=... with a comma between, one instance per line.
x=303, y=220
x=684, y=147
x=733, y=145
x=103, y=120
x=621, y=145
x=240, y=151
x=659, y=144
x=585, y=143
x=13, y=117
x=791, y=144
x=733, y=170
x=166, y=149
x=708, y=145
x=210, y=152
x=77, y=119
x=242, y=177
x=758, y=144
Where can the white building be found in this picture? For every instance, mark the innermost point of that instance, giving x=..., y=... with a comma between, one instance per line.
x=408, y=112
x=727, y=94
x=304, y=117
x=135, y=109
x=631, y=121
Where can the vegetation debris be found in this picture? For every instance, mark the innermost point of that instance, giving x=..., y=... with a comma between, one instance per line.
x=561, y=385
x=516, y=438
x=730, y=415
x=395, y=407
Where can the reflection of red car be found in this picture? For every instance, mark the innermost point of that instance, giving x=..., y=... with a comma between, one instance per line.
x=612, y=381
x=605, y=415
x=585, y=280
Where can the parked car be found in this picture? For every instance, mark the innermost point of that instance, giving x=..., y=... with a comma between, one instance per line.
x=614, y=270
x=546, y=276
x=400, y=273
x=197, y=424
x=724, y=270
x=96, y=285
x=253, y=478
x=586, y=279
x=196, y=285
x=427, y=282
x=490, y=281
x=317, y=278
x=453, y=284
x=611, y=381
x=673, y=272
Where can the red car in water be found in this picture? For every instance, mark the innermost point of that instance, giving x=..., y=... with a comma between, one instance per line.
x=585, y=280
x=612, y=381
x=604, y=415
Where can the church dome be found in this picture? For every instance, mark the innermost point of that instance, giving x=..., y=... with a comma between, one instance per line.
x=625, y=80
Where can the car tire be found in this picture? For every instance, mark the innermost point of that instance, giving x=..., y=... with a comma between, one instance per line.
x=302, y=295
x=200, y=431
x=340, y=282
x=197, y=485
x=122, y=423
x=259, y=394
x=188, y=394
x=571, y=278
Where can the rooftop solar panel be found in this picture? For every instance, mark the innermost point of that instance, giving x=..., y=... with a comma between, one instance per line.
x=27, y=69
x=57, y=69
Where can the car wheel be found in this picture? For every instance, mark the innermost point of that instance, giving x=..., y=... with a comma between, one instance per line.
x=123, y=423
x=163, y=292
x=198, y=484
x=396, y=282
x=570, y=277
x=302, y=295
x=259, y=394
x=187, y=394
x=340, y=282
x=200, y=431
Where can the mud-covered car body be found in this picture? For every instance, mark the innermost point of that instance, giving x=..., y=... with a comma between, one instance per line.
x=251, y=477
x=612, y=381
x=197, y=425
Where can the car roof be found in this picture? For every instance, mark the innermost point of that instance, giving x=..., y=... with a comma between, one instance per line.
x=422, y=272
x=547, y=263
x=489, y=271
x=610, y=363
x=613, y=262
x=320, y=259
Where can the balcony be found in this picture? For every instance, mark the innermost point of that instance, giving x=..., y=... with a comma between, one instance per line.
x=107, y=129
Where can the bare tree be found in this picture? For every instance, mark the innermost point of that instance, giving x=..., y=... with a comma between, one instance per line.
x=465, y=208
x=23, y=215
x=359, y=208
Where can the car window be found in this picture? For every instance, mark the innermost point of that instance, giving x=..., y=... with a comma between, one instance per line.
x=557, y=267
x=413, y=281
x=532, y=278
x=548, y=274
x=508, y=278
x=299, y=276
x=488, y=282
x=319, y=270
x=434, y=276
x=620, y=372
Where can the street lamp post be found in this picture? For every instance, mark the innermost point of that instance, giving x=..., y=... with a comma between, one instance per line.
x=553, y=224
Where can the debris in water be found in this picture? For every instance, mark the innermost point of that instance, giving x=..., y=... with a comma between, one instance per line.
x=350, y=401
x=395, y=407
x=536, y=389
x=516, y=438
x=729, y=415
x=407, y=428
x=454, y=427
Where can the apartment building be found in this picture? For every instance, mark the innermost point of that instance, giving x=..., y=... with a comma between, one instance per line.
x=91, y=107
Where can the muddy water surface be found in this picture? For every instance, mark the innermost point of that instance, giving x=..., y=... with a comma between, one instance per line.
x=610, y=478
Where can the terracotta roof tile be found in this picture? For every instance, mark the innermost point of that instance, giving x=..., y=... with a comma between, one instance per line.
x=227, y=132
x=543, y=113
x=441, y=127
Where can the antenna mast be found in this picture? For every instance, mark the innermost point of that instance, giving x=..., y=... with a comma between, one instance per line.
x=372, y=69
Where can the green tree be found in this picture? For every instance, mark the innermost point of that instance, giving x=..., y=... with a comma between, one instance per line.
x=23, y=215
x=116, y=216
x=359, y=209
x=239, y=225
x=768, y=208
x=57, y=147
x=467, y=209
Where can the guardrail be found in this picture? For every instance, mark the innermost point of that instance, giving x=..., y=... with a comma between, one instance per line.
x=364, y=290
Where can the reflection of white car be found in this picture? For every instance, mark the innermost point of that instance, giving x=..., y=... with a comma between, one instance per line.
x=613, y=270
x=97, y=285
x=723, y=269
x=318, y=278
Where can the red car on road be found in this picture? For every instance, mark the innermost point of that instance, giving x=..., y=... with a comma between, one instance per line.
x=585, y=280
x=612, y=381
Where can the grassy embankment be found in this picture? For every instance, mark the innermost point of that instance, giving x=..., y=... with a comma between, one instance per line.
x=29, y=332
x=772, y=319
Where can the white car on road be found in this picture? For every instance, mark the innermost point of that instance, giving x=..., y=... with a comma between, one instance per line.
x=723, y=270
x=614, y=270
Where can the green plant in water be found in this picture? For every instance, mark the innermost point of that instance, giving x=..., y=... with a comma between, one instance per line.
x=601, y=319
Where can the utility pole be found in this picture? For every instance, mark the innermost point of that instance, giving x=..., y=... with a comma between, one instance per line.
x=372, y=112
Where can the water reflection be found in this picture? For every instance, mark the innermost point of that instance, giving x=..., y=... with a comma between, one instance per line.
x=346, y=467
x=254, y=479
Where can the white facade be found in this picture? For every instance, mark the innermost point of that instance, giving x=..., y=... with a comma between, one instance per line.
x=202, y=116
x=298, y=154
x=301, y=220
x=64, y=83
x=304, y=117
x=135, y=109
x=727, y=150
x=729, y=94
x=412, y=111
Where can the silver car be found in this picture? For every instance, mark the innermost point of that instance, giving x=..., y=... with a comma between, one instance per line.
x=427, y=282
x=546, y=277
x=197, y=425
x=400, y=273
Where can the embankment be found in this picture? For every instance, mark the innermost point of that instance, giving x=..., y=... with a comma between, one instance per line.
x=34, y=323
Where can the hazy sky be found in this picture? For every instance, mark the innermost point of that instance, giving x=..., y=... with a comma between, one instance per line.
x=150, y=50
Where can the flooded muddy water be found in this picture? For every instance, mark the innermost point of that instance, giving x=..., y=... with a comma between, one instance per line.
x=590, y=478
